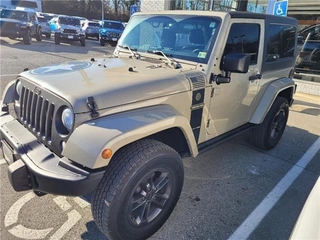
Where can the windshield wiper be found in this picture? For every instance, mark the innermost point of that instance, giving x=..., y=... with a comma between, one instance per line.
x=172, y=61
x=133, y=51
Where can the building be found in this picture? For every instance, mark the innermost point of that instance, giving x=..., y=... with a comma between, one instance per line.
x=30, y=4
x=306, y=11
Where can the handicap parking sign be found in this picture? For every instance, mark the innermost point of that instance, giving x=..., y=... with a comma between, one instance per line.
x=280, y=8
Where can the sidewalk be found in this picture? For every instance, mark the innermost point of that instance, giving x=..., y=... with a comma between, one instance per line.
x=308, y=87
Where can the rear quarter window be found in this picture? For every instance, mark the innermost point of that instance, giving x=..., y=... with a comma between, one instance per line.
x=281, y=42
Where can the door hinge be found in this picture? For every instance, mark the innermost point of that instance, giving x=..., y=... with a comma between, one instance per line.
x=208, y=123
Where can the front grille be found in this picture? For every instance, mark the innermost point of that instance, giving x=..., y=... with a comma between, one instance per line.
x=36, y=113
x=72, y=31
x=114, y=34
x=8, y=26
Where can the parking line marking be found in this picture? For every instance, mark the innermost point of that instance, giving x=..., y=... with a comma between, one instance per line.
x=27, y=233
x=2, y=161
x=13, y=212
x=254, y=219
x=62, y=202
x=81, y=202
x=9, y=75
x=73, y=218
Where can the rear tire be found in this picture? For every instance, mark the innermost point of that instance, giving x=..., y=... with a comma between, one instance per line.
x=267, y=135
x=102, y=43
x=138, y=191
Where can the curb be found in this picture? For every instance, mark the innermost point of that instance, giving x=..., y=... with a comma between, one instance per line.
x=312, y=88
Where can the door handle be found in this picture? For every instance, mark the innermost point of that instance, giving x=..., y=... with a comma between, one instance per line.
x=255, y=77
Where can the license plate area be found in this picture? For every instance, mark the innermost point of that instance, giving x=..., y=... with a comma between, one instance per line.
x=7, y=151
x=114, y=39
x=70, y=37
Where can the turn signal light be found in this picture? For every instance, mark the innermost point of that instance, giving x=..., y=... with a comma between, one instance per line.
x=106, y=153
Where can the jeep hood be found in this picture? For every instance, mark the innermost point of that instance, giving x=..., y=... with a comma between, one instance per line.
x=110, y=81
x=67, y=26
x=6, y=20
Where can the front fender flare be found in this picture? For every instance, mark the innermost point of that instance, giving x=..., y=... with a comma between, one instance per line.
x=269, y=95
x=115, y=131
x=9, y=93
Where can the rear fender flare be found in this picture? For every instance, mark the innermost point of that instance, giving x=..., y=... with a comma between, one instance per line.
x=270, y=94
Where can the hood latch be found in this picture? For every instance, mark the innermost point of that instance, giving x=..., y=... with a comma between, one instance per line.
x=92, y=106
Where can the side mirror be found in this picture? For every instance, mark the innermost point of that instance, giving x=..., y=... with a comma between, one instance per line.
x=232, y=63
x=235, y=62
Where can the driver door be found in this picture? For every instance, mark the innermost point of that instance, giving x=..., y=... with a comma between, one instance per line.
x=232, y=104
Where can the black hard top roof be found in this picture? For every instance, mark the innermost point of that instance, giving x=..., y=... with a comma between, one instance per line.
x=268, y=17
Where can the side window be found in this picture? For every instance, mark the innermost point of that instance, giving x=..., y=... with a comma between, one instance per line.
x=244, y=38
x=281, y=42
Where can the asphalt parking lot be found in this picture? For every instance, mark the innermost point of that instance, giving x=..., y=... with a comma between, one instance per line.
x=233, y=191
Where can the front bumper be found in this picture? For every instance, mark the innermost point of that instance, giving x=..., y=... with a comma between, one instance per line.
x=14, y=33
x=69, y=37
x=105, y=38
x=34, y=166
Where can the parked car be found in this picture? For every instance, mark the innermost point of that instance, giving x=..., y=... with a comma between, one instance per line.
x=308, y=223
x=308, y=60
x=92, y=29
x=110, y=32
x=68, y=29
x=45, y=26
x=20, y=24
x=117, y=128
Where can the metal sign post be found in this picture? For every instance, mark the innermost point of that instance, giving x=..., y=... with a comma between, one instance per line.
x=133, y=9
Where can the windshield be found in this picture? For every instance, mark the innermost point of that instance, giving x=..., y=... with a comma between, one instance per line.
x=113, y=25
x=18, y=15
x=184, y=37
x=94, y=24
x=69, y=21
x=42, y=19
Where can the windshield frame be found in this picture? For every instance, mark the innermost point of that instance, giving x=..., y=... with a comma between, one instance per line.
x=179, y=24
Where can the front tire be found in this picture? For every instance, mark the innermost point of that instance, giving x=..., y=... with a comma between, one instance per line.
x=102, y=42
x=56, y=39
x=27, y=37
x=138, y=191
x=267, y=135
x=39, y=35
x=83, y=42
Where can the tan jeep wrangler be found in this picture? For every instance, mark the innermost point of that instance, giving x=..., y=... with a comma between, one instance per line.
x=178, y=83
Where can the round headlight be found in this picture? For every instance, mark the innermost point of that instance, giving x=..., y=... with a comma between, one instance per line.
x=18, y=87
x=67, y=119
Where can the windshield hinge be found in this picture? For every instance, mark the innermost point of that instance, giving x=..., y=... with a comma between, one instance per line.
x=92, y=106
x=208, y=123
x=212, y=93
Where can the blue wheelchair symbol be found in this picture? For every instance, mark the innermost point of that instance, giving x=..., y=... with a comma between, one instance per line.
x=280, y=8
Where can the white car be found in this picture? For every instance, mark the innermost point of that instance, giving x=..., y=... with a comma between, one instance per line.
x=308, y=224
x=45, y=26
